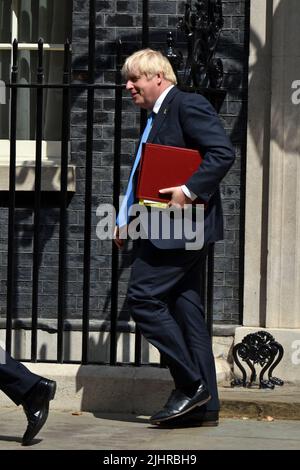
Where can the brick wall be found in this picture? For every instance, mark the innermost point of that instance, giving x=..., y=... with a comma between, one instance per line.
x=123, y=19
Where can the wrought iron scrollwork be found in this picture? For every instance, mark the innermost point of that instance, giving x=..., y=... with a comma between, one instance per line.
x=202, y=24
x=199, y=70
x=174, y=55
x=261, y=349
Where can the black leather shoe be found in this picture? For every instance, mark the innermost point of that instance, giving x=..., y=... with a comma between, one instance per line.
x=179, y=404
x=197, y=417
x=36, y=407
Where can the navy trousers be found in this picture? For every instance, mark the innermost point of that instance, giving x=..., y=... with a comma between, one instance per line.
x=15, y=379
x=165, y=301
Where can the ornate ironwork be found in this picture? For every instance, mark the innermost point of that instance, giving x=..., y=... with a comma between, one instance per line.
x=202, y=24
x=261, y=349
x=174, y=55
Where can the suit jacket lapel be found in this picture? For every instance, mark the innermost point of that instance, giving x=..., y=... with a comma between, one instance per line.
x=162, y=113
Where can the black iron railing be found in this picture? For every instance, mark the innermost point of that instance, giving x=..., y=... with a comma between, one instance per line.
x=66, y=87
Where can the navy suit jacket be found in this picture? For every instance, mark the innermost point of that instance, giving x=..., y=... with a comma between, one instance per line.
x=188, y=120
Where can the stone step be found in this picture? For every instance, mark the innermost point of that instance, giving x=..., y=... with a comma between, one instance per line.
x=279, y=403
x=143, y=390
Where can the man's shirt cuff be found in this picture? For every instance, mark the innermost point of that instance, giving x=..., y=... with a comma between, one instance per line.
x=189, y=193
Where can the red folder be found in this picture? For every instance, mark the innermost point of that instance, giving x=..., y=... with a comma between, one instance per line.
x=163, y=166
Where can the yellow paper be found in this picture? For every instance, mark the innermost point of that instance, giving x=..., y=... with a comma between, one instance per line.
x=148, y=202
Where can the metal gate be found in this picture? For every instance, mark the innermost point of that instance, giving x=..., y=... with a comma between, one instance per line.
x=90, y=87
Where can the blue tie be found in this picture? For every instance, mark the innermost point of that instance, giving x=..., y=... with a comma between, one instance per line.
x=128, y=200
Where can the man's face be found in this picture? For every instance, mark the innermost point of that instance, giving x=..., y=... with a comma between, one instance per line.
x=144, y=91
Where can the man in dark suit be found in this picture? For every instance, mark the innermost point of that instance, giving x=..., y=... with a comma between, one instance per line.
x=27, y=389
x=164, y=289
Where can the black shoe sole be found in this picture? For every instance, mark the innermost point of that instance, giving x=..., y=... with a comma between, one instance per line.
x=52, y=390
x=187, y=424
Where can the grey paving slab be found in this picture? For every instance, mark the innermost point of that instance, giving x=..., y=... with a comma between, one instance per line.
x=64, y=431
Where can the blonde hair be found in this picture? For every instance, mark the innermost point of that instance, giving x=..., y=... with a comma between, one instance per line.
x=148, y=62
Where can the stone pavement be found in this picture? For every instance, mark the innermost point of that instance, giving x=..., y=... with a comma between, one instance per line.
x=93, y=431
x=251, y=419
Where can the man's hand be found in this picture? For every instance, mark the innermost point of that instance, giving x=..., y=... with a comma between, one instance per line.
x=178, y=198
x=118, y=241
